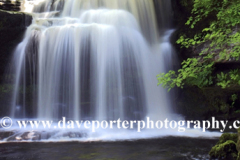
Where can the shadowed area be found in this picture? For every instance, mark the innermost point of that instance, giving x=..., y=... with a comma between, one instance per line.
x=169, y=148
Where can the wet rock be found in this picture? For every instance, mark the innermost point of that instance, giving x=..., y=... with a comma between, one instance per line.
x=18, y=138
x=39, y=135
x=74, y=135
x=46, y=135
x=12, y=28
x=7, y=134
x=25, y=136
x=33, y=135
x=15, y=137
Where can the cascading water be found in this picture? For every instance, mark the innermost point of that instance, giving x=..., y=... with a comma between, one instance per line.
x=94, y=60
x=91, y=59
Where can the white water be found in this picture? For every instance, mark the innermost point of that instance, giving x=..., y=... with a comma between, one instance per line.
x=91, y=59
x=94, y=60
x=86, y=135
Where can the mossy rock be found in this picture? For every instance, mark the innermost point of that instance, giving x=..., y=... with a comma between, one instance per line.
x=228, y=136
x=226, y=150
x=226, y=147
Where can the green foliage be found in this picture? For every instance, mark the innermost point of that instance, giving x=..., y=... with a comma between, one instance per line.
x=192, y=72
x=229, y=79
x=223, y=80
x=221, y=39
x=234, y=97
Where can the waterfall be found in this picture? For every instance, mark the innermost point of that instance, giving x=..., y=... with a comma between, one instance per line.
x=93, y=59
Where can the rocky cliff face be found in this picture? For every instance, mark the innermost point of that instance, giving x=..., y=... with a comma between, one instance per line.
x=12, y=28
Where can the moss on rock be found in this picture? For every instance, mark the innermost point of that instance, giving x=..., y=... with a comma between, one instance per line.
x=226, y=147
x=228, y=136
x=226, y=150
